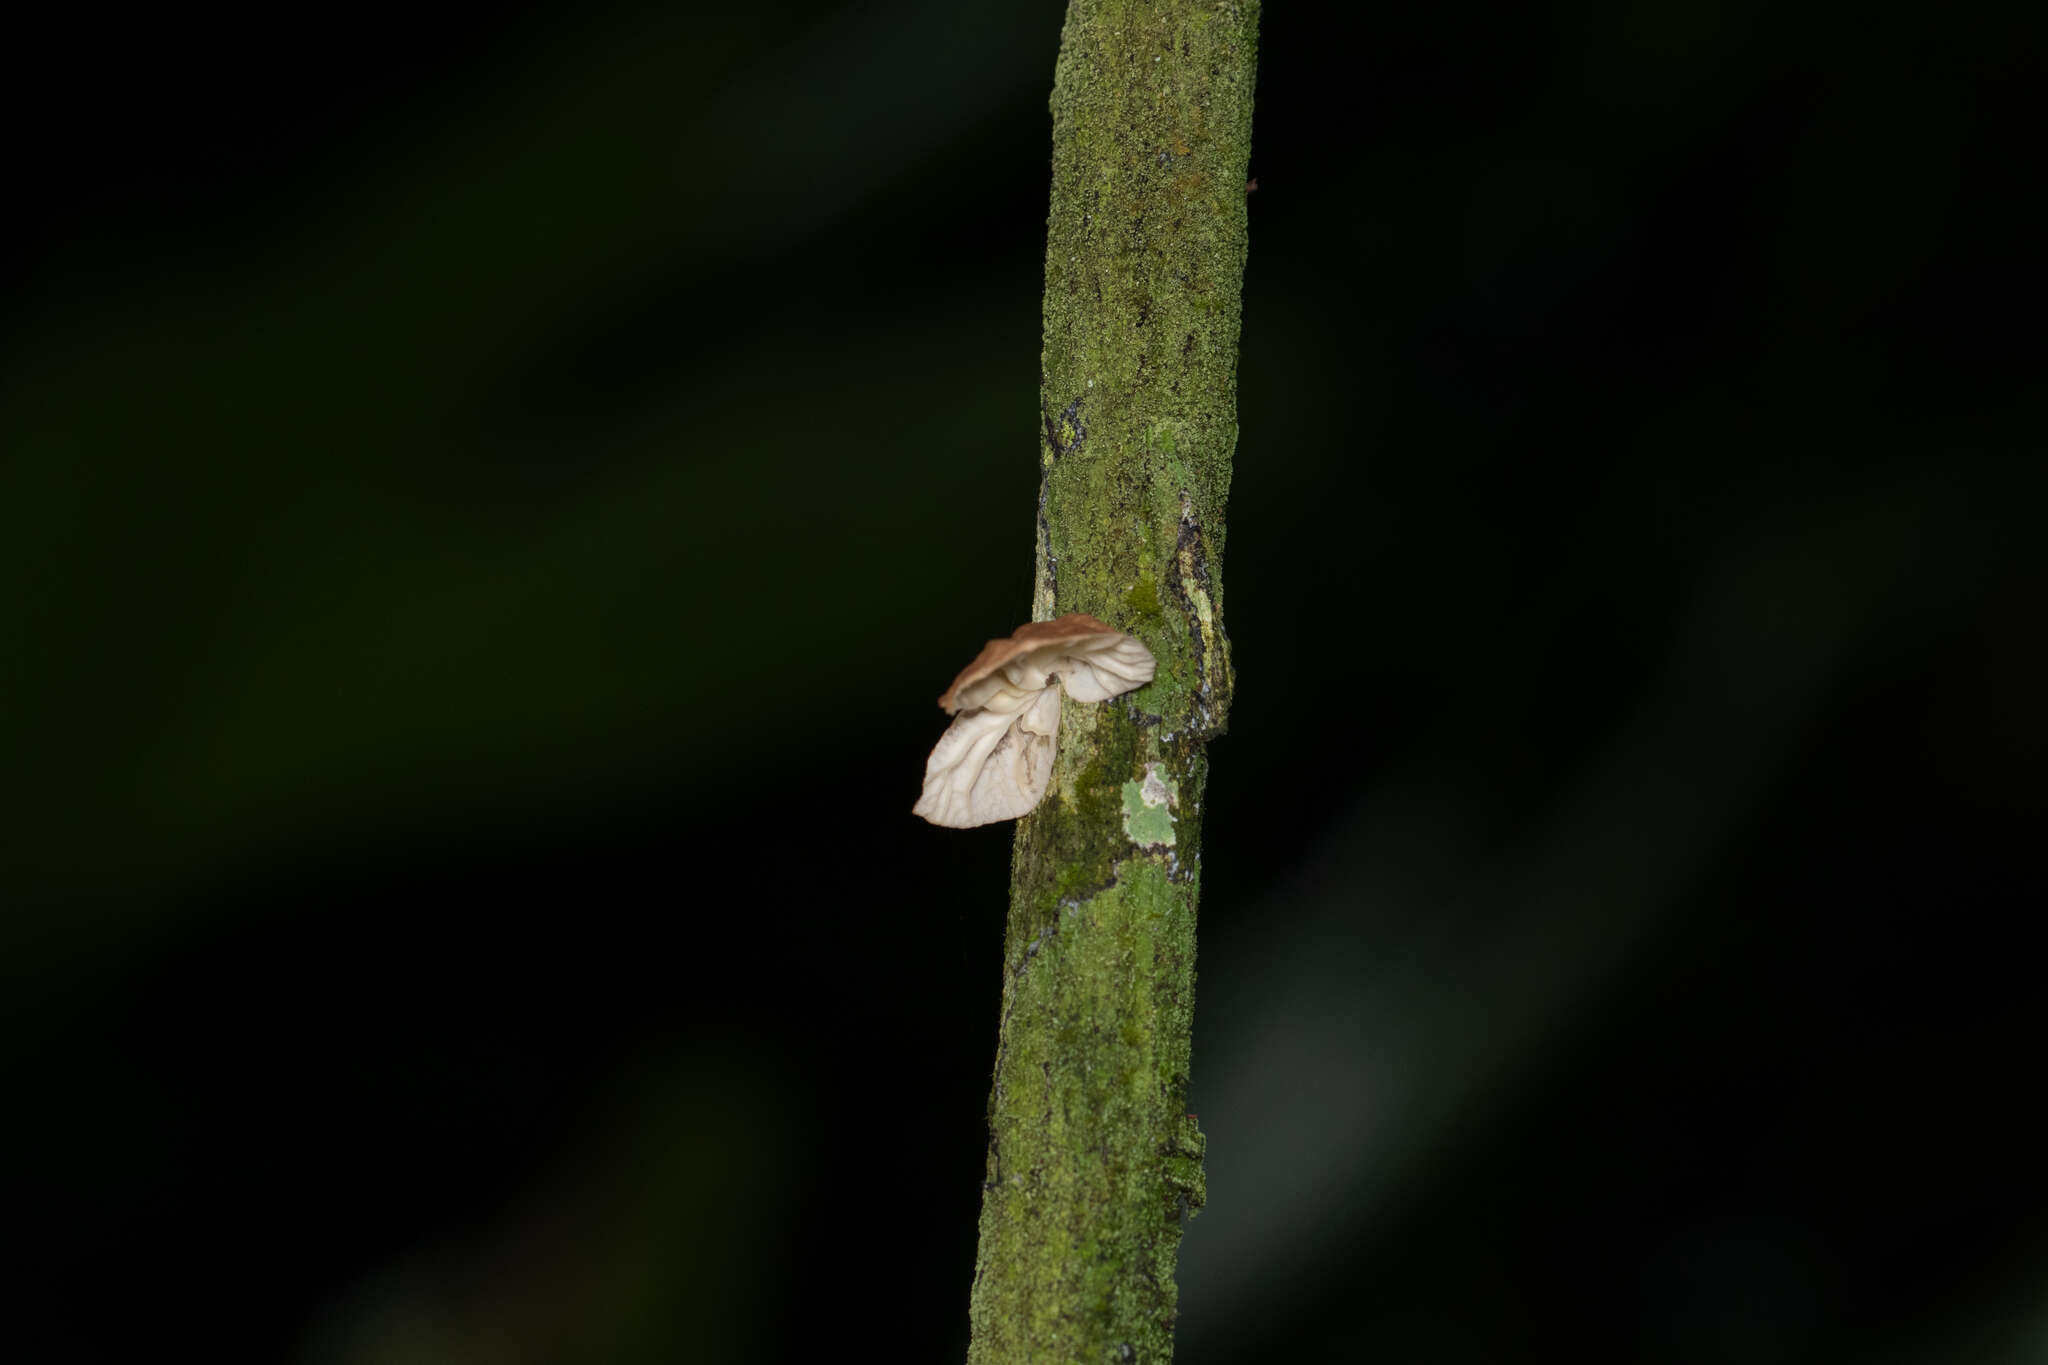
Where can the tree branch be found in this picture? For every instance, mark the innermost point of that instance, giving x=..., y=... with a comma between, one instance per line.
x=1092, y=1158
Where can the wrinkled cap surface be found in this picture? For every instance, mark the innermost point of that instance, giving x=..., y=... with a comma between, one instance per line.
x=995, y=761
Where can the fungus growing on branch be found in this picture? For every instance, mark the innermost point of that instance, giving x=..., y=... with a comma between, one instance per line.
x=994, y=761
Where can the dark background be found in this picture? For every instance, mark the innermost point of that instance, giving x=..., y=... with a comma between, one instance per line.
x=487, y=500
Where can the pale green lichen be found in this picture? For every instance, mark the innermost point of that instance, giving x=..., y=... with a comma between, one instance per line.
x=1148, y=808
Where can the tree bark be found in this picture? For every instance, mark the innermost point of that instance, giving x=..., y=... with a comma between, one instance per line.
x=1093, y=1160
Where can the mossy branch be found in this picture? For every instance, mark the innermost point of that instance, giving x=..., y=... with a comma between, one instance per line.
x=1093, y=1160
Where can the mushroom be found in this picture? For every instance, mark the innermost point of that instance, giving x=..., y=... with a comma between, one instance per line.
x=994, y=761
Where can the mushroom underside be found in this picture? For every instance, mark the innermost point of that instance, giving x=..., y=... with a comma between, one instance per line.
x=993, y=762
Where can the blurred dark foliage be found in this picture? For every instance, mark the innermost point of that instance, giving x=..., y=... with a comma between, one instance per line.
x=487, y=500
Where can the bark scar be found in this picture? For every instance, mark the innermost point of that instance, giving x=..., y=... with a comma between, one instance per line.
x=1194, y=591
x=1068, y=425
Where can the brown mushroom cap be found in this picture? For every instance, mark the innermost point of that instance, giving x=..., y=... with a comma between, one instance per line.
x=1074, y=628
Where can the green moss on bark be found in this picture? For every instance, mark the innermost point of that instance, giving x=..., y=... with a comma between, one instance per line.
x=1093, y=1160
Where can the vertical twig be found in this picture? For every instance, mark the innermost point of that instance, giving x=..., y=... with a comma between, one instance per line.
x=1092, y=1158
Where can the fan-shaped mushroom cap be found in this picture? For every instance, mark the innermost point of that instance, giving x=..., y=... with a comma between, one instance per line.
x=1096, y=662
x=995, y=760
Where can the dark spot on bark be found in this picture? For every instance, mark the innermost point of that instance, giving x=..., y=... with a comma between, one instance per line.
x=1191, y=561
x=1070, y=416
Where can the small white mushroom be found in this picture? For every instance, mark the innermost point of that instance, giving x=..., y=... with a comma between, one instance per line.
x=995, y=760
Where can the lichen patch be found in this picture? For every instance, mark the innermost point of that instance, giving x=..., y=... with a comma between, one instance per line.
x=1149, y=806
